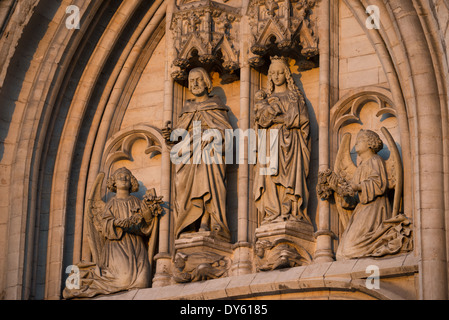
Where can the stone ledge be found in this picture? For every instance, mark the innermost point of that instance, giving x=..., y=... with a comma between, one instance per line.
x=346, y=275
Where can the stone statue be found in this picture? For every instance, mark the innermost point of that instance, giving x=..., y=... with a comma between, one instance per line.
x=200, y=178
x=373, y=227
x=122, y=236
x=283, y=195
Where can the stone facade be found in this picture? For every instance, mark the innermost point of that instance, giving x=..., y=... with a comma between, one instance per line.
x=82, y=100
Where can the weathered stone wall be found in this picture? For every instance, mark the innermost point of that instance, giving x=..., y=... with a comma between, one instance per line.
x=359, y=63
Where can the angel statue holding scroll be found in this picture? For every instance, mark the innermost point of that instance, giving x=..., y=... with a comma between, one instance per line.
x=373, y=226
x=122, y=237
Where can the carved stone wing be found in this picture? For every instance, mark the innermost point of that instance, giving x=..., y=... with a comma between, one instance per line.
x=395, y=172
x=95, y=206
x=345, y=168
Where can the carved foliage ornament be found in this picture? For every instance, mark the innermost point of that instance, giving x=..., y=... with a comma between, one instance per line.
x=199, y=266
x=205, y=34
x=279, y=254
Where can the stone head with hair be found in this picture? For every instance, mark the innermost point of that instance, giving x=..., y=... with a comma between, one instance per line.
x=120, y=174
x=283, y=63
x=199, y=81
x=374, y=141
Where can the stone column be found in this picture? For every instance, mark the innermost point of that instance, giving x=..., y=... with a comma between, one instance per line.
x=242, y=249
x=163, y=258
x=323, y=251
x=243, y=177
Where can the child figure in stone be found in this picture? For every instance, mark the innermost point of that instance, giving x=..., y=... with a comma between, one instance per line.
x=265, y=109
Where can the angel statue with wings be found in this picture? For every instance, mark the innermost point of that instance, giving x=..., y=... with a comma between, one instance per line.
x=122, y=237
x=373, y=226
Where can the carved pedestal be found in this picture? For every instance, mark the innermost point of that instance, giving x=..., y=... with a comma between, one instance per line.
x=201, y=256
x=283, y=245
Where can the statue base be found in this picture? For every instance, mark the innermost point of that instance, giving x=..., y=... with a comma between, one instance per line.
x=192, y=239
x=201, y=256
x=284, y=244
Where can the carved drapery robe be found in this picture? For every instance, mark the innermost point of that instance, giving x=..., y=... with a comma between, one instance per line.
x=367, y=234
x=201, y=186
x=124, y=263
x=285, y=194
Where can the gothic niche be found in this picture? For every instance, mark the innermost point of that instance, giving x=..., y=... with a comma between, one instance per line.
x=283, y=27
x=206, y=34
x=368, y=196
